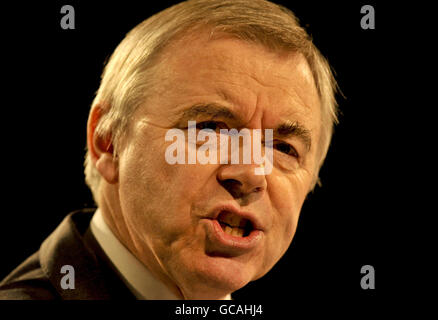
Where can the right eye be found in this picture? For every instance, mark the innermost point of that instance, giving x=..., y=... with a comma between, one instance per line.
x=213, y=125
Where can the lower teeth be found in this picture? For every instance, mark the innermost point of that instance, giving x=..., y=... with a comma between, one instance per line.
x=234, y=231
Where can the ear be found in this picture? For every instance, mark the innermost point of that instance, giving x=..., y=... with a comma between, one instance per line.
x=100, y=148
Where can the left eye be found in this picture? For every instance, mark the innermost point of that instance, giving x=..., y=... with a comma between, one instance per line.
x=213, y=125
x=286, y=148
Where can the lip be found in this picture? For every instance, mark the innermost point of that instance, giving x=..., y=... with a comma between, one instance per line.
x=225, y=243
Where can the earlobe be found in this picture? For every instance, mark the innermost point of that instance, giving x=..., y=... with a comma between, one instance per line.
x=108, y=167
x=100, y=148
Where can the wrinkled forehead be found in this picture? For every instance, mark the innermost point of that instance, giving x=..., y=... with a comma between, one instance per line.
x=244, y=73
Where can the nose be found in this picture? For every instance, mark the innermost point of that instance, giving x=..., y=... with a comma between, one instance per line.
x=242, y=183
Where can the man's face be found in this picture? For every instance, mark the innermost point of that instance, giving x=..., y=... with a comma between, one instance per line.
x=176, y=214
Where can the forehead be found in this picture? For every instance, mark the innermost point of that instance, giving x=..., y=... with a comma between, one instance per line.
x=253, y=81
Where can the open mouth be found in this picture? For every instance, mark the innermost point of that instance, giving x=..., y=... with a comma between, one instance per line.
x=232, y=232
x=234, y=225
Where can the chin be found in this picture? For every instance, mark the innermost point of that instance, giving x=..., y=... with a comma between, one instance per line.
x=216, y=276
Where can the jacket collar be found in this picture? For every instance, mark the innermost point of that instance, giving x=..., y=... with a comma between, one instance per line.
x=71, y=244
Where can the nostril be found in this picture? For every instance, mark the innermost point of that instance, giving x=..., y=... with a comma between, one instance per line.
x=234, y=187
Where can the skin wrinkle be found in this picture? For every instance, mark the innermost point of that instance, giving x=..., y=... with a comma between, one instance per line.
x=303, y=67
x=257, y=105
x=138, y=246
x=224, y=61
x=298, y=107
x=123, y=231
x=237, y=85
x=162, y=205
x=218, y=111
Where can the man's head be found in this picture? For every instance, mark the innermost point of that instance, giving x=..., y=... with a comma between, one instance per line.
x=225, y=64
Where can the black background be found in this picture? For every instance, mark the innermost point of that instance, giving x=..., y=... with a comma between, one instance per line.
x=50, y=78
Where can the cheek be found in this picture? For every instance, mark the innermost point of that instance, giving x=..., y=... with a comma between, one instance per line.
x=145, y=188
x=155, y=195
x=288, y=191
x=287, y=194
x=146, y=163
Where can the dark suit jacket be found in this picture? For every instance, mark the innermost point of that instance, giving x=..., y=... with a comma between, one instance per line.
x=72, y=243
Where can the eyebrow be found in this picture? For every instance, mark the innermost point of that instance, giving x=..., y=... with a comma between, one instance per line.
x=209, y=109
x=294, y=129
x=214, y=110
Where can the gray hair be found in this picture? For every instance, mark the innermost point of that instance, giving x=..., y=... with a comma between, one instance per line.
x=128, y=76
